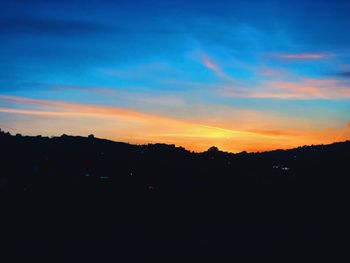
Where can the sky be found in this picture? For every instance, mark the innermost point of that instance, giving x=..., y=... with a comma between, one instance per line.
x=250, y=75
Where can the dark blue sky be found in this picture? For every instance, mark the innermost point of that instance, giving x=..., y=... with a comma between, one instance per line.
x=203, y=62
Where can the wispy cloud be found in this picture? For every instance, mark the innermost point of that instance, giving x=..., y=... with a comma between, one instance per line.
x=73, y=109
x=305, y=89
x=301, y=56
x=214, y=67
x=313, y=89
x=277, y=132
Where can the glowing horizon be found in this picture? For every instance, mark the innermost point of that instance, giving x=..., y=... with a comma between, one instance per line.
x=194, y=135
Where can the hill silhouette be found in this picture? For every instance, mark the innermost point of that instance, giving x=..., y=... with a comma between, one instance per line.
x=86, y=181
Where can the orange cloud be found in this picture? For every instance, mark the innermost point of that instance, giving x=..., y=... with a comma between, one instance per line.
x=67, y=108
x=276, y=132
x=313, y=89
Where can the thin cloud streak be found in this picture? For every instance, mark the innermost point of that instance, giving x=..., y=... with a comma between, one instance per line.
x=302, y=56
x=214, y=67
x=306, y=89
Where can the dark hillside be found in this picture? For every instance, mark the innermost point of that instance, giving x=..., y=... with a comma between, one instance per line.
x=86, y=183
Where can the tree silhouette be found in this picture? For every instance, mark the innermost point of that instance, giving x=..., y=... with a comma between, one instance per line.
x=213, y=149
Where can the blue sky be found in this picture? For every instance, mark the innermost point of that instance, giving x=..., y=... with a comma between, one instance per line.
x=243, y=75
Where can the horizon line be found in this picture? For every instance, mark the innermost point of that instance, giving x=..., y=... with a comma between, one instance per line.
x=169, y=144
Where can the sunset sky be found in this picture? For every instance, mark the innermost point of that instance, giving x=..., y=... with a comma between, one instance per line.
x=241, y=75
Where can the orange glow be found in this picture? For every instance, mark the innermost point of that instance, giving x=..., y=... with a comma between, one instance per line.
x=122, y=124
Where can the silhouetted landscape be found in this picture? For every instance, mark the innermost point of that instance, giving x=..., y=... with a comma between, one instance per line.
x=133, y=131
x=89, y=182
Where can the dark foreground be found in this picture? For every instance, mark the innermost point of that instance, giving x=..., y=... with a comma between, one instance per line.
x=86, y=198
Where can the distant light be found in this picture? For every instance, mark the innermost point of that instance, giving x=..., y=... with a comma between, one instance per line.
x=283, y=168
